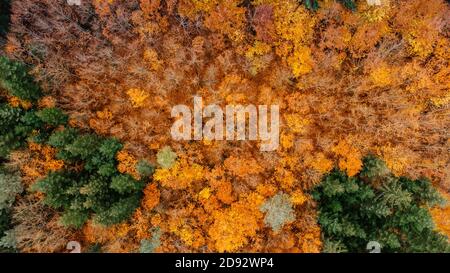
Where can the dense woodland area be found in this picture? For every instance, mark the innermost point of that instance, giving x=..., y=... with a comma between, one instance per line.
x=86, y=153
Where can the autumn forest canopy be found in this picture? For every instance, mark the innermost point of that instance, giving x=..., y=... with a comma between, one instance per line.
x=87, y=155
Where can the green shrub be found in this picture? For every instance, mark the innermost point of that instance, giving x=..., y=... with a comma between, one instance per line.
x=377, y=206
x=15, y=79
x=57, y=186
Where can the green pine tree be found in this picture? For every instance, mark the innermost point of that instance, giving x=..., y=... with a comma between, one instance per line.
x=53, y=116
x=15, y=79
x=124, y=183
x=16, y=126
x=98, y=189
x=377, y=206
x=349, y=4
x=311, y=4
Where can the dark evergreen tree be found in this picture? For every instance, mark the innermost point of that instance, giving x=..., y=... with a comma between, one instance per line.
x=53, y=116
x=349, y=4
x=377, y=206
x=15, y=79
x=119, y=210
x=124, y=183
x=16, y=125
x=97, y=189
x=311, y=4
x=59, y=139
x=314, y=4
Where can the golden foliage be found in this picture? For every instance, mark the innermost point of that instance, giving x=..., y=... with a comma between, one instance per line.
x=151, y=58
x=102, y=7
x=266, y=190
x=319, y=162
x=127, y=163
x=227, y=18
x=241, y=166
x=180, y=176
x=106, y=114
x=205, y=193
x=287, y=140
x=233, y=227
x=190, y=8
x=349, y=157
x=297, y=123
x=151, y=197
x=441, y=217
x=47, y=102
x=137, y=97
x=396, y=158
x=222, y=187
x=42, y=161
x=310, y=241
x=149, y=6
x=293, y=25
x=298, y=198
x=16, y=102
x=382, y=76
